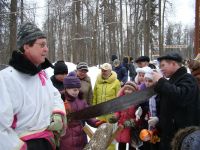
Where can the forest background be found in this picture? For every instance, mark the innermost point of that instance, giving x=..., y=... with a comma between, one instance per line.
x=93, y=30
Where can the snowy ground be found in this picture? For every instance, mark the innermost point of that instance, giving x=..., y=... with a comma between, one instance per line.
x=93, y=71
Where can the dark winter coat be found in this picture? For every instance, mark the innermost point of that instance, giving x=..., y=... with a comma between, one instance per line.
x=122, y=73
x=132, y=71
x=58, y=85
x=177, y=105
x=75, y=138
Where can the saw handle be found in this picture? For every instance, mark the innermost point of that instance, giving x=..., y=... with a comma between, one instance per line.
x=88, y=131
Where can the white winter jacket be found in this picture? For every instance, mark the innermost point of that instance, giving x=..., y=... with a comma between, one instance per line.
x=26, y=105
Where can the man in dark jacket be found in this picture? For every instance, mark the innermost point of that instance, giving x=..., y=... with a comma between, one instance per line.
x=60, y=71
x=178, y=98
x=122, y=73
x=132, y=71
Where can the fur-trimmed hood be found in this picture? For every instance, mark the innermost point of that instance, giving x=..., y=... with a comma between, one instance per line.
x=186, y=139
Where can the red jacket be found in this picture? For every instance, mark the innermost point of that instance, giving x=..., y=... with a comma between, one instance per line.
x=124, y=136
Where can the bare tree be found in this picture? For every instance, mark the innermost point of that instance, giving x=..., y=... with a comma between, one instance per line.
x=13, y=25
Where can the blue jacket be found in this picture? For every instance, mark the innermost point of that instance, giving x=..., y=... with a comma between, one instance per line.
x=122, y=73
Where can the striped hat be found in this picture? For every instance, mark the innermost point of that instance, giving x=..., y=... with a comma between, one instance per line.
x=82, y=66
x=28, y=32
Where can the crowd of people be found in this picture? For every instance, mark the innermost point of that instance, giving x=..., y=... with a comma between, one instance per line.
x=34, y=107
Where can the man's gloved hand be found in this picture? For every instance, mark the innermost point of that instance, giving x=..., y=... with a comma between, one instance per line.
x=138, y=113
x=153, y=121
x=98, y=123
x=56, y=123
x=113, y=119
x=129, y=123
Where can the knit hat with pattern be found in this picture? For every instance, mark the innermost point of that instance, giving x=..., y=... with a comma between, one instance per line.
x=28, y=32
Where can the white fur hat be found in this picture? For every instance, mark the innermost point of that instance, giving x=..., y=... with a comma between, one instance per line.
x=143, y=70
x=148, y=75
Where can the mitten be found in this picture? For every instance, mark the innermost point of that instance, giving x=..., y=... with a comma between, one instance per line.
x=113, y=119
x=56, y=123
x=98, y=123
x=153, y=121
x=129, y=123
x=138, y=113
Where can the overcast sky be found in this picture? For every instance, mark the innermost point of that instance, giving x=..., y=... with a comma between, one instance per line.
x=182, y=11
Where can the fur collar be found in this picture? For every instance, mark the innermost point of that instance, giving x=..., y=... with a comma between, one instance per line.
x=22, y=64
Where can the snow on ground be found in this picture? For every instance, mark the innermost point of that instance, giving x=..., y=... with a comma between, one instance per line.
x=92, y=73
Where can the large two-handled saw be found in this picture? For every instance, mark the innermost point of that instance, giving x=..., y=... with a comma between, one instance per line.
x=113, y=105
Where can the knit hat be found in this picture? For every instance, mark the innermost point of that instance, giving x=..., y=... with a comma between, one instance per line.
x=131, y=85
x=60, y=68
x=28, y=32
x=116, y=62
x=72, y=82
x=82, y=66
x=106, y=66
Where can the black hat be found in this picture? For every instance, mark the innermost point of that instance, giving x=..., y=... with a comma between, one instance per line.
x=82, y=66
x=113, y=57
x=28, y=32
x=60, y=68
x=171, y=56
x=142, y=59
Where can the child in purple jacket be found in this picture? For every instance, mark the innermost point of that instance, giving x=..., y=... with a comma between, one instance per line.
x=75, y=138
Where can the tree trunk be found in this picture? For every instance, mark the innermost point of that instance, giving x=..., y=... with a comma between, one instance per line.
x=121, y=29
x=160, y=27
x=100, y=139
x=13, y=25
x=22, y=11
x=147, y=29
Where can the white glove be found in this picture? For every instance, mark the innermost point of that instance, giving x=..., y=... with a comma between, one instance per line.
x=153, y=121
x=138, y=113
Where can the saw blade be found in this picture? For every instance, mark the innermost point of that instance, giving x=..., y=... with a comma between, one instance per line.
x=113, y=105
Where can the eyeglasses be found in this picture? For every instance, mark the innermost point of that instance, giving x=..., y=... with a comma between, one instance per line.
x=42, y=45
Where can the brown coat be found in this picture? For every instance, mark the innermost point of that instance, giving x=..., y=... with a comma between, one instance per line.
x=86, y=88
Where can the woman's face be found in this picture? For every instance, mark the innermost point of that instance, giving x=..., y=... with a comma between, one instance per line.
x=105, y=73
x=73, y=91
x=81, y=74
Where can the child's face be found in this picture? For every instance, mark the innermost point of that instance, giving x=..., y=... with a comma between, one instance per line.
x=73, y=91
x=128, y=90
x=141, y=77
x=148, y=82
